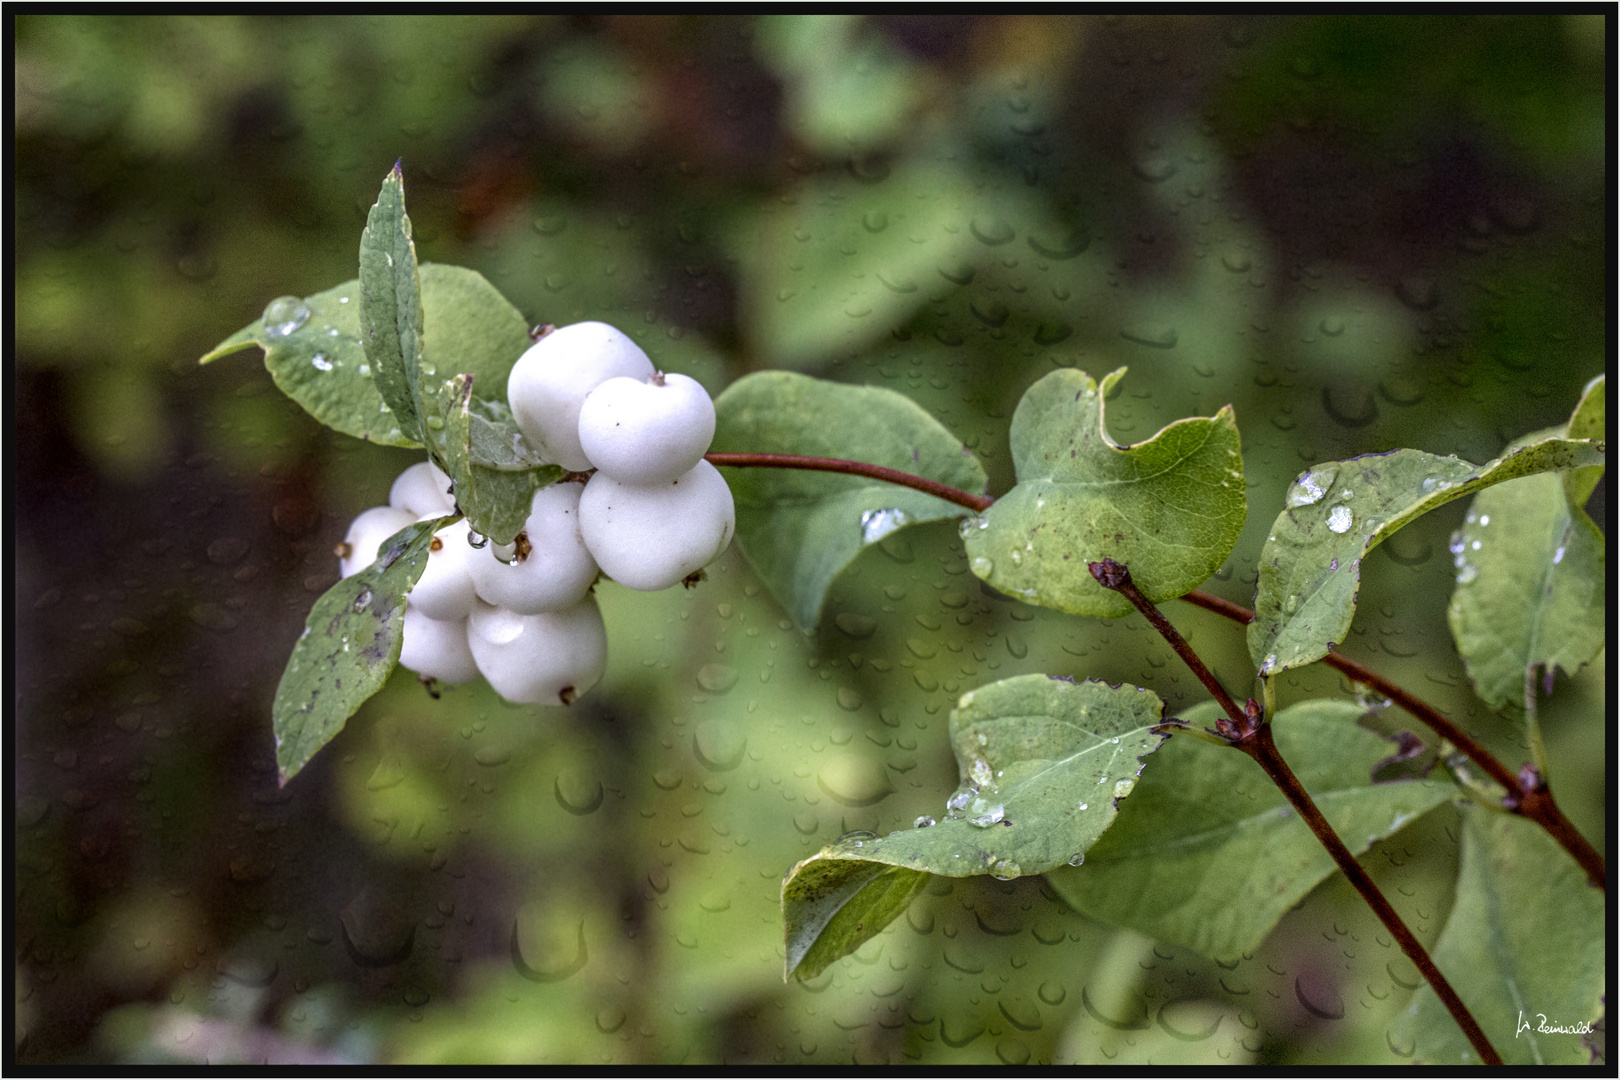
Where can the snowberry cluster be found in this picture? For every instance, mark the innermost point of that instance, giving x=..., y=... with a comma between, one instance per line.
x=653, y=514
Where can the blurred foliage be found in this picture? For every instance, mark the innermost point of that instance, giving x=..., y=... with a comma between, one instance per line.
x=1363, y=232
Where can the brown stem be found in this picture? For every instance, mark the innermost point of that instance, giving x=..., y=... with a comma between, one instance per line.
x=853, y=468
x=1245, y=732
x=1532, y=801
x=1261, y=747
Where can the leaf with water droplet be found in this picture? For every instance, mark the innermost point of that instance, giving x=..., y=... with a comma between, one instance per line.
x=391, y=306
x=1589, y=421
x=467, y=326
x=347, y=649
x=1524, y=933
x=496, y=501
x=1046, y=743
x=1531, y=589
x=1170, y=508
x=799, y=529
x=1206, y=853
x=1314, y=550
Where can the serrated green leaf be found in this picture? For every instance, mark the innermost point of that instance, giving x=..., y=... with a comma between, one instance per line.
x=468, y=326
x=1044, y=764
x=1335, y=513
x=1589, y=421
x=391, y=306
x=496, y=501
x=799, y=529
x=1169, y=508
x=1530, y=588
x=1525, y=944
x=349, y=646
x=1208, y=854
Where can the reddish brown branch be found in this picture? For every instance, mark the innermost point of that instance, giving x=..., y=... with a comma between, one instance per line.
x=853, y=468
x=1531, y=800
x=1245, y=731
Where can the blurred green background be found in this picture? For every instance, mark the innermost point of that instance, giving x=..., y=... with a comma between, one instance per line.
x=1362, y=232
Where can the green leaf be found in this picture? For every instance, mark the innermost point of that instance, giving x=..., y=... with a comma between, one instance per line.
x=1530, y=588
x=1209, y=855
x=1044, y=764
x=496, y=501
x=1335, y=513
x=831, y=906
x=1525, y=942
x=391, y=305
x=468, y=326
x=349, y=645
x=1589, y=421
x=1169, y=508
x=798, y=528
x=495, y=440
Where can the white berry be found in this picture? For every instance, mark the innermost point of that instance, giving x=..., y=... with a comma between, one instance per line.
x=555, y=570
x=424, y=490
x=646, y=431
x=445, y=589
x=546, y=659
x=549, y=382
x=436, y=648
x=652, y=537
x=366, y=535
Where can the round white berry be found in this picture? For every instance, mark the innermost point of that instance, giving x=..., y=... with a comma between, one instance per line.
x=549, y=382
x=445, y=589
x=366, y=535
x=646, y=431
x=651, y=537
x=435, y=648
x=424, y=490
x=550, y=569
x=545, y=659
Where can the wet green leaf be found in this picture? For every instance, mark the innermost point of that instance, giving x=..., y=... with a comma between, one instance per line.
x=798, y=528
x=1209, y=855
x=468, y=326
x=1524, y=945
x=349, y=645
x=496, y=501
x=1530, y=587
x=1169, y=508
x=831, y=906
x=1335, y=513
x=1589, y=421
x=391, y=305
x=1044, y=765
x=495, y=441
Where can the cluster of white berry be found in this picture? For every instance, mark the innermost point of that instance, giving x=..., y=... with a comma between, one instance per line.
x=653, y=514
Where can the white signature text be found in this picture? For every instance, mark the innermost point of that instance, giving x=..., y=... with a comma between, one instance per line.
x=1577, y=1028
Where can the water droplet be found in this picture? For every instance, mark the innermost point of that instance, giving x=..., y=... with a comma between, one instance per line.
x=491, y=756
x=1467, y=574
x=1004, y=869
x=1155, y=169
x=609, y=1019
x=1052, y=993
x=981, y=566
x=1077, y=858
x=993, y=231
x=719, y=745
x=1309, y=489
x=1153, y=335
x=956, y=805
x=922, y=822
x=1418, y=293
x=980, y=771
x=876, y=524
x=1085, y=806
x=1339, y=519
x=717, y=678
x=856, y=626
x=875, y=221
x=540, y=948
x=1236, y=261
x=578, y=791
x=477, y=540
x=1558, y=555
x=983, y=813
x=320, y=362
x=1124, y=787
x=854, y=780
x=1332, y=326
x=848, y=699
x=283, y=315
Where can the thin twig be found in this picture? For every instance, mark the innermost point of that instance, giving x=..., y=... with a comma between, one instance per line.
x=1247, y=733
x=1535, y=803
x=853, y=468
